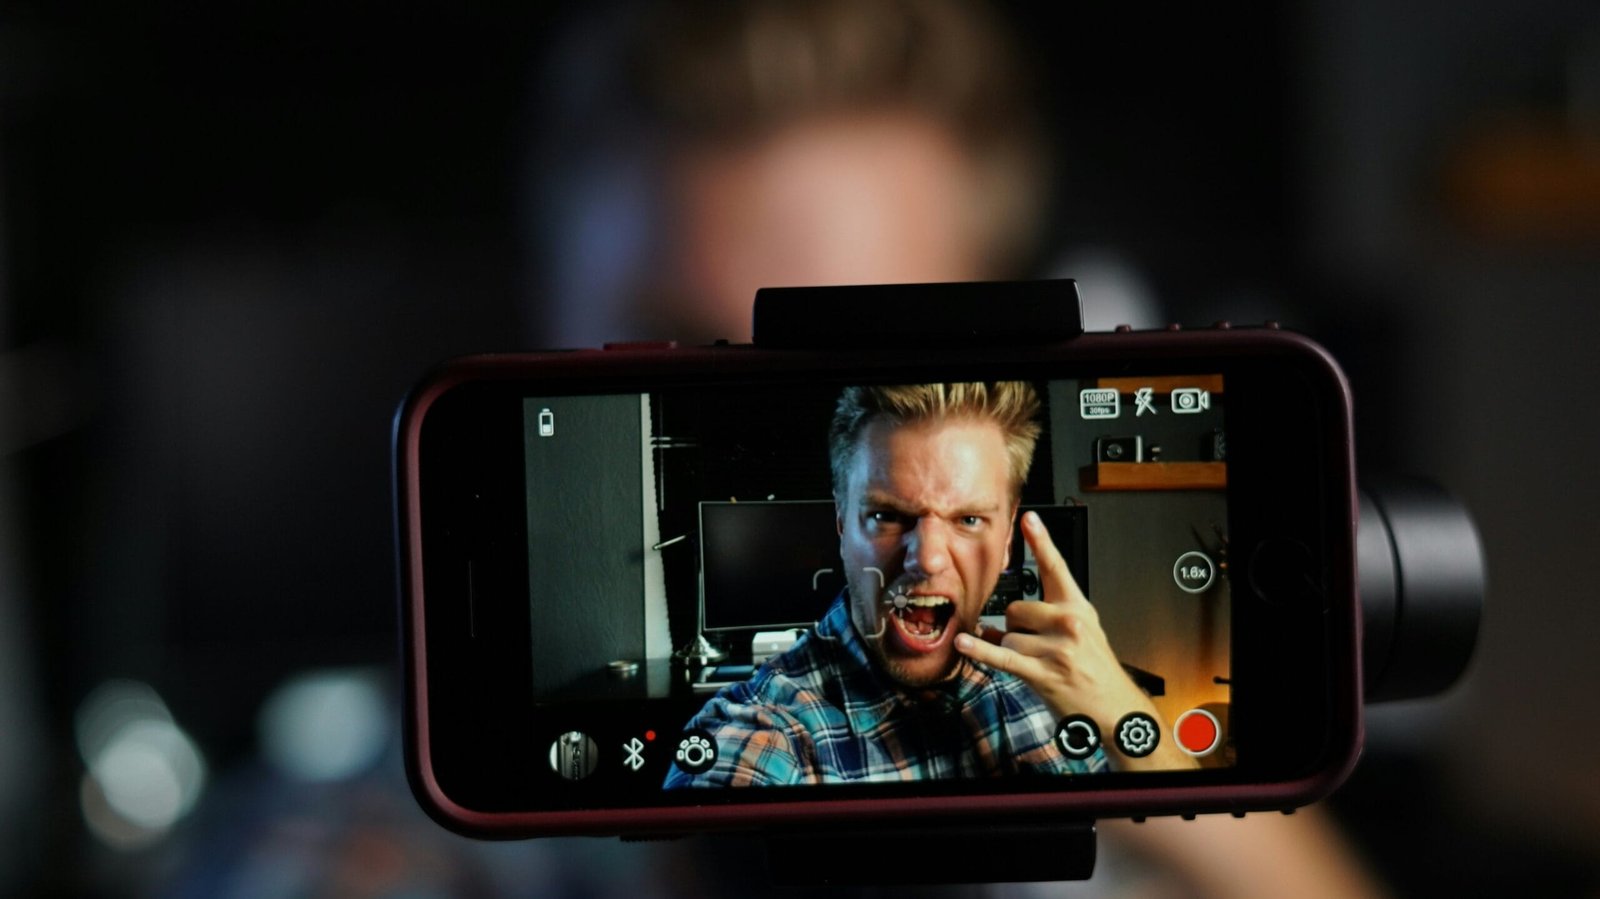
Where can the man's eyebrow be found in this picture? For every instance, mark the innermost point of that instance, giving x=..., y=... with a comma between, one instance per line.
x=874, y=499
x=884, y=500
x=987, y=509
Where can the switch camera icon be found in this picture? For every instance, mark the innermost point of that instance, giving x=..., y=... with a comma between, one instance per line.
x=1077, y=737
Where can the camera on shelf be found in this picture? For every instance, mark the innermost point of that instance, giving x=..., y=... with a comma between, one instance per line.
x=1014, y=584
x=1119, y=449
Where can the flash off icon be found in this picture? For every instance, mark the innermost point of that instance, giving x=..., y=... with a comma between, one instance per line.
x=1144, y=401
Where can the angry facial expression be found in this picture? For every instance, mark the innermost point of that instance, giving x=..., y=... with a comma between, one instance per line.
x=925, y=527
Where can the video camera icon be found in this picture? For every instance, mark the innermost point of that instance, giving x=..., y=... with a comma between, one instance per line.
x=1190, y=400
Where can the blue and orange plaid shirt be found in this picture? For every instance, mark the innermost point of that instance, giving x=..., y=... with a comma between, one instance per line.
x=821, y=713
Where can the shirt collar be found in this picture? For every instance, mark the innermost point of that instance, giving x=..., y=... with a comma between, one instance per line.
x=868, y=697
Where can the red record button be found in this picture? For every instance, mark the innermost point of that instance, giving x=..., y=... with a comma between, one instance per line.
x=1199, y=732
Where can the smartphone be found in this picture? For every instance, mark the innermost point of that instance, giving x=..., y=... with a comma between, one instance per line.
x=662, y=590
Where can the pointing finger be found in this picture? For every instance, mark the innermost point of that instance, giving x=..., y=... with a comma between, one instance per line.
x=1059, y=584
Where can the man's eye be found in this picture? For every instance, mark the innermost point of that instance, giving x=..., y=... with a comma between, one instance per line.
x=971, y=521
x=882, y=518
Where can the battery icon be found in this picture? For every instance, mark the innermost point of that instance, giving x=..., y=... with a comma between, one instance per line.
x=547, y=423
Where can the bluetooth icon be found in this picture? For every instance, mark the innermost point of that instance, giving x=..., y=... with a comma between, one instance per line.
x=635, y=759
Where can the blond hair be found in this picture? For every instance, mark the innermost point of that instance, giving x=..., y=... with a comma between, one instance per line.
x=1012, y=405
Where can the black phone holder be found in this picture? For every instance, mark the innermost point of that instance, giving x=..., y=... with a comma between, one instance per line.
x=1420, y=564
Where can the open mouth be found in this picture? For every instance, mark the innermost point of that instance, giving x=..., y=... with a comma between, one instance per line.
x=923, y=621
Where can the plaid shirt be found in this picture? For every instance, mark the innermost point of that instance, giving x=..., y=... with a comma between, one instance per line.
x=820, y=713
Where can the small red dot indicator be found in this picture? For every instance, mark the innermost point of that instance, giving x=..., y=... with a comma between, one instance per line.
x=649, y=736
x=1199, y=732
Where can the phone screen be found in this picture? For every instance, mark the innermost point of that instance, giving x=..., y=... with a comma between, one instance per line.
x=763, y=587
x=697, y=588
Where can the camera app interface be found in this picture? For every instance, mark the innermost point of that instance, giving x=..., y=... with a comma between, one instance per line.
x=814, y=585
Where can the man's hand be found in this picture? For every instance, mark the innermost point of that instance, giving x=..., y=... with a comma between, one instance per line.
x=1058, y=648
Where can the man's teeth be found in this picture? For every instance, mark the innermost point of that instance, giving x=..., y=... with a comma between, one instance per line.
x=918, y=618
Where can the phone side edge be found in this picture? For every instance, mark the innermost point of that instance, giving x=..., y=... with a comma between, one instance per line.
x=418, y=756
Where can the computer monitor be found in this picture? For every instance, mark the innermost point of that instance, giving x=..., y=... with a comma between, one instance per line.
x=775, y=565
x=767, y=565
x=1069, y=530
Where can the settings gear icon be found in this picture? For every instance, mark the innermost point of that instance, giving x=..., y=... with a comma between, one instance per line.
x=696, y=752
x=1137, y=735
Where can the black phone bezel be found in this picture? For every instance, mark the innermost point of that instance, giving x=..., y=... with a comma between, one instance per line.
x=473, y=750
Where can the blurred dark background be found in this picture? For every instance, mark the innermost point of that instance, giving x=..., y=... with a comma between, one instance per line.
x=232, y=235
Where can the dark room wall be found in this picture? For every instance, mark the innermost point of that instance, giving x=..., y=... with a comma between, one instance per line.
x=585, y=536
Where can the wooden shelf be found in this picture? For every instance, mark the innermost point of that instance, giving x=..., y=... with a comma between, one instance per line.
x=1154, y=476
x=1163, y=385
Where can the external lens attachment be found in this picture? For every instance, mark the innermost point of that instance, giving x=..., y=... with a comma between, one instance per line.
x=1422, y=581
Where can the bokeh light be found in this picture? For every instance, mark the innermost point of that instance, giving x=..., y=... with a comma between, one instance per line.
x=144, y=773
x=325, y=725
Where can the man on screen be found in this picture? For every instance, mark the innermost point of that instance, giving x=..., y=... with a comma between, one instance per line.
x=896, y=682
